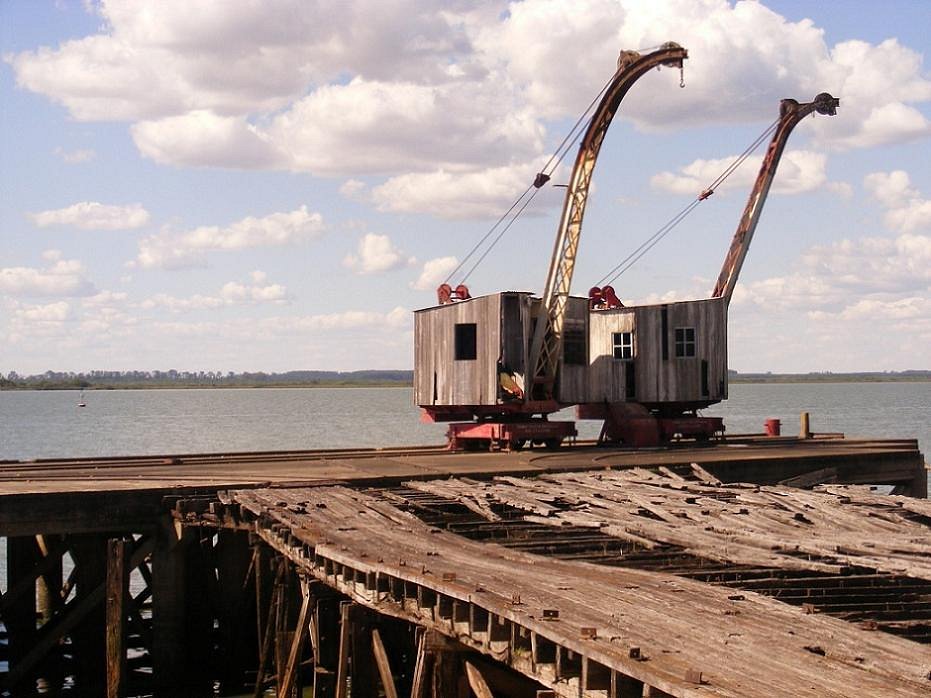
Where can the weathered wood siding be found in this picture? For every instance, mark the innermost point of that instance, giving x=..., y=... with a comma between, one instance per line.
x=659, y=379
x=504, y=331
x=573, y=379
x=439, y=379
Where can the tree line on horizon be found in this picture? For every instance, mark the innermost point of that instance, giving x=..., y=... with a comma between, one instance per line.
x=172, y=377
x=91, y=379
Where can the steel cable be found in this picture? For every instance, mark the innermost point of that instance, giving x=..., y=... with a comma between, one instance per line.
x=665, y=229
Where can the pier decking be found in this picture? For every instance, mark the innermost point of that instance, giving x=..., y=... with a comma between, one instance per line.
x=586, y=571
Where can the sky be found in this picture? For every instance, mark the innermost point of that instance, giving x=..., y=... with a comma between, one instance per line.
x=245, y=185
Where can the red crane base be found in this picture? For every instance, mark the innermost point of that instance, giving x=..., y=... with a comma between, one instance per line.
x=508, y=436
x=634, y=425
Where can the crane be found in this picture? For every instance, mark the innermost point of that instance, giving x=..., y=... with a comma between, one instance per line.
x=504, y=359
x=790, y=114
x=547, y=338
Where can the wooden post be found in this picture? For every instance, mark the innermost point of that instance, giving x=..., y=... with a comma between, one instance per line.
x=268, y=634
x=804, y=428
x=420, y=666
x=342, y=666
x=326, y=636
x=238, y=641
x=361, y=665
x=20, y=617
x=49, y=603
x=168, y=623
x=477, y=682
x=297, y=645
x=384, y=666
x=88, y=638
x=117, y=596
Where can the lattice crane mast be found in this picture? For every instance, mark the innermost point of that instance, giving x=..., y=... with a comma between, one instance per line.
x=547, y=339
x=790, y=114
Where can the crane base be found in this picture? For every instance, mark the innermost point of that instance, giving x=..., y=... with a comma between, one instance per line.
x=508, y=436
x=633, y=425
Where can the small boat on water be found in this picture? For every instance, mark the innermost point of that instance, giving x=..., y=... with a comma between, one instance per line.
x=81, y=402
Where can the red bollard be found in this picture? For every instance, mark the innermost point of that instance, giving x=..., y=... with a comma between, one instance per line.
x=773, y=427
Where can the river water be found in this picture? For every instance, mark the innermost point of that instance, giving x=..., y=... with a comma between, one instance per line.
x=46, y=424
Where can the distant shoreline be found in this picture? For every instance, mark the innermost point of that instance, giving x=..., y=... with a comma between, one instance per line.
x=755, y=379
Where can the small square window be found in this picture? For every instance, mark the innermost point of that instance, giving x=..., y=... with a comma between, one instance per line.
x=623, y=345
x=685, y=342
x=465, y=342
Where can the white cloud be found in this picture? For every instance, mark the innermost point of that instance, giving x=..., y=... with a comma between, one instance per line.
x=352, y=189
x=386, y=127
x=202, y=138
x=63, y=278
x=74, y=157
x=376, y=253
x=171, y=251
x=231, y=293
x=450, y=92
x=799, y=171
x=52, y=313
x=446, y=194
x=91, y=215
x=105, y=299
x=434, y=271
x=907, y=210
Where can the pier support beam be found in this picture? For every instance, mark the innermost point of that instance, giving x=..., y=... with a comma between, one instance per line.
x=19, y=608
x=118, y=603
x=235, y=606
x=88, y=637
x=182, y=617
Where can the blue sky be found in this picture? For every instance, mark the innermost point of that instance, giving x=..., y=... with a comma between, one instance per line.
x=277, y=185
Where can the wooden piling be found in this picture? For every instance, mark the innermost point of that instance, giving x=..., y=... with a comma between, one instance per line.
x=116, y=612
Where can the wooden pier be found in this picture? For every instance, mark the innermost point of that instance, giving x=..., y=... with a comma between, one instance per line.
x=756, y=566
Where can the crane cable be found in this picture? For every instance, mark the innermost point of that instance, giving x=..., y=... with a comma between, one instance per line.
x=542, y=178
x=648, y=244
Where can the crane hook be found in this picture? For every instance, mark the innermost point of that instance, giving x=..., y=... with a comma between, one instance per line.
x=681, y=75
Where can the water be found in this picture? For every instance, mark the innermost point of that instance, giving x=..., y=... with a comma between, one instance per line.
x=47, y=424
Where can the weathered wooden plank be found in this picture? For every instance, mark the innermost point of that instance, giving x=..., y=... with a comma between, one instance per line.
x=681, y=625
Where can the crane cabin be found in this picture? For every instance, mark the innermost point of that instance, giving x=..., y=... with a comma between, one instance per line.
x=473, y=355
x=508, y=360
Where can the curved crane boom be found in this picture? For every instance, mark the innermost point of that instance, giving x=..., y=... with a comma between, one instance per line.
x=790, y=114
x=547, y=338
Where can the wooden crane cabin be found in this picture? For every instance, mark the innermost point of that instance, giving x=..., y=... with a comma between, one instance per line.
x=472, y=355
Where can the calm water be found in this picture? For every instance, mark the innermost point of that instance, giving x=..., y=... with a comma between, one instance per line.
x=43, y=424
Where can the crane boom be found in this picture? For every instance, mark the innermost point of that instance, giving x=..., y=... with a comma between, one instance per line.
x=547, y=338
x=790, y=114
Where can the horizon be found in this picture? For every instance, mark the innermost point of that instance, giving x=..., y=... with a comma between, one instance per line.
x=261, y=188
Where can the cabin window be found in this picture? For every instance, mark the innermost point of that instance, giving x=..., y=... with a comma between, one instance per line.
x=685, y=342
x=465, y=344
x=623, y=345
x=574, y=351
